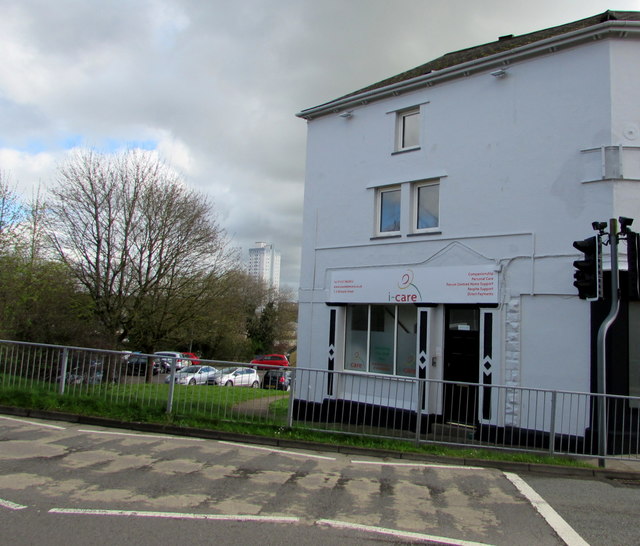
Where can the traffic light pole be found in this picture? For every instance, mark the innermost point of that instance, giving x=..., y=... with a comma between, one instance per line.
x=602, y=343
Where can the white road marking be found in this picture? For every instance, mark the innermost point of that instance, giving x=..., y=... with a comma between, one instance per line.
x=155, y=436
x=264, y=519
x=32, y=423
x=274, y=450
x=396, y=534
x=422, y=465
x=559, y=525
x=11, y=505
x=173, y=515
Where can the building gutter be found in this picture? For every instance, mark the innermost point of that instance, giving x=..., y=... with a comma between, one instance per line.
x=607, y=30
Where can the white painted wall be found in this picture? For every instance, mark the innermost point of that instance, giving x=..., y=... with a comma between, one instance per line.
x=517, y=188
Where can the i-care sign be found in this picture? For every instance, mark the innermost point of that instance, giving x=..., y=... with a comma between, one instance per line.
x=453, y=284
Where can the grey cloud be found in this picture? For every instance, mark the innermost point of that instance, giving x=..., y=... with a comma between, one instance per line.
x=225, y=79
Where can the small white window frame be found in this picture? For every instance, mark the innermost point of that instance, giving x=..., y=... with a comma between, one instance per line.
x=401, y=117
x=378, y=219
x=415, y=187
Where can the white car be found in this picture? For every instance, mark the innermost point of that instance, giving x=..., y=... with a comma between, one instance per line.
x=236, y=377
x=165, y=358
x=193, y=375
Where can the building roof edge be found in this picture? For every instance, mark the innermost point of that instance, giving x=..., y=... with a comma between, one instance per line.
x=498, y=54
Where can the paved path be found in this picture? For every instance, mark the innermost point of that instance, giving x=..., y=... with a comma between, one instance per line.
x=258, y=406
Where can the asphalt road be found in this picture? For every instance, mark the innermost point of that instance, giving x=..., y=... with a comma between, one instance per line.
x=63, y=483
x=606, y=512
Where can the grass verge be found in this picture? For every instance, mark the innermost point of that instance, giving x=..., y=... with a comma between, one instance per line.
x=189, y=414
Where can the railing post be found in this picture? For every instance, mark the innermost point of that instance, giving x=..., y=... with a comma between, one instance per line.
x=172, y=384
x=419, y=385
x=552, y=431
x=292, y=390
x=63, y=372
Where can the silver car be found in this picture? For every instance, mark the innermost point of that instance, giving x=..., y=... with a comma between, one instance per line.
x=193, y=375
x=165, y=358
x=236, y=377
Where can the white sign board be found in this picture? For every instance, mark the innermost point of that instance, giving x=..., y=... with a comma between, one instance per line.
x=455, y=284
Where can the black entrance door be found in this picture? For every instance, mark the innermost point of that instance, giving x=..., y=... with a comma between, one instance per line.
x=461, y=357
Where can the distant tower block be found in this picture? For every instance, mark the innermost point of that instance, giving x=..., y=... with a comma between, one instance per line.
x=264, y=264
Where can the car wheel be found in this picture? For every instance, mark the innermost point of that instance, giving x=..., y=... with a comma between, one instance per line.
x=255, y=385
x=192, y=381
x=229, y=384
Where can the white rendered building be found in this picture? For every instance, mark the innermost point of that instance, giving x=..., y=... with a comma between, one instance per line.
x=440, y=210
x=264, y=264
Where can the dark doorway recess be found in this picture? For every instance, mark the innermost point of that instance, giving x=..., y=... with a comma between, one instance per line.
x=461, y=357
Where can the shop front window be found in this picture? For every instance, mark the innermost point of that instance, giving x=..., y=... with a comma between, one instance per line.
x=406, y=341
x=357, y=335
x=381, y=339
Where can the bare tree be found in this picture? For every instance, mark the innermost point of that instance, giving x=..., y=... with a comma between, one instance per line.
x=219, y=330
x=39, y=300
x=141, y=243
x=33, y=229
x=11, y=213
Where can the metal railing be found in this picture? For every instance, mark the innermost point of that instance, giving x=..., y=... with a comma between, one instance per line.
x=410, y=409
x=467, y=414
x=138, y=382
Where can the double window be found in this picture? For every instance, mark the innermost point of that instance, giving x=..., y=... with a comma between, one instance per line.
x=381, y=339
x=425, y=207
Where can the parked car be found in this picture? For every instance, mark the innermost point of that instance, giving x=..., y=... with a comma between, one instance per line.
x=193, y=375
x=192, y=358
x=236, y=377
x=165, y=358
x=137, y=365
x=90, y=373
x=277, y=379
x=266, y=362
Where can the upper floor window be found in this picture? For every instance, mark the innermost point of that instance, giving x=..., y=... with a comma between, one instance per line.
x=389, y=210
x=408, y=129
x=426, y=205
x=407, y=208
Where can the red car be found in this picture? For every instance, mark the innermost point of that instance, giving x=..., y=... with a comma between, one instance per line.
x=194, y=358
x=267, y=361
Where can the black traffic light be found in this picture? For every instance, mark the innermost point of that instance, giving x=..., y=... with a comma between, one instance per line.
x=633, y=254
x=588, y=273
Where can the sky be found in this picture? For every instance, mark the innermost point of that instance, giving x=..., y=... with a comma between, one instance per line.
x=213, y=86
